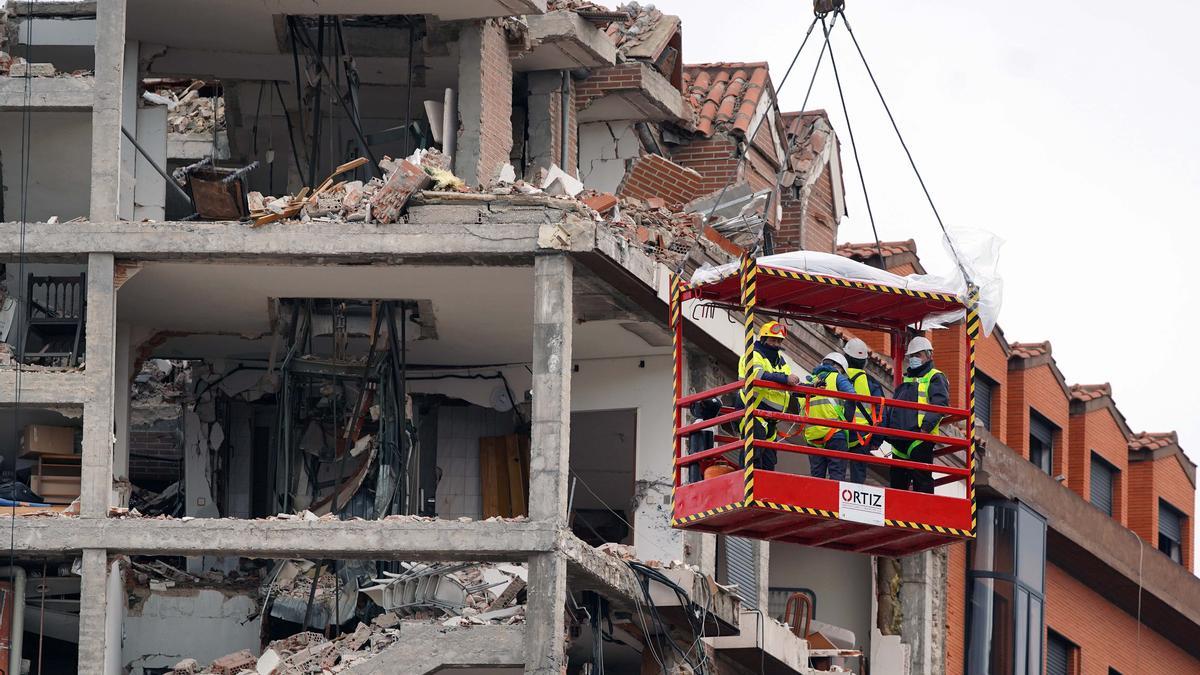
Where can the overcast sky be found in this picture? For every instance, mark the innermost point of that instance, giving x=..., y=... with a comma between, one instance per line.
x=1071, y=132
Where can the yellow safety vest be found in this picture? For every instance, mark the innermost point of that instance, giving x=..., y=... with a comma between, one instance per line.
x=776, y=398
x=858, y=377
x=824, y=407
x=923, y=398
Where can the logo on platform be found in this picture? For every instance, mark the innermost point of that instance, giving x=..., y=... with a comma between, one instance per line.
x=861, y=503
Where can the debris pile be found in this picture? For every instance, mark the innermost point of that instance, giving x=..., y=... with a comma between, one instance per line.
x=633, y=31
x=16, y=66
x=188, y=112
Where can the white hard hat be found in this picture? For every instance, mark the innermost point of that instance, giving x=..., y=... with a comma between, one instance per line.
x=837, y=358
x=856, y=349
x=919, y=344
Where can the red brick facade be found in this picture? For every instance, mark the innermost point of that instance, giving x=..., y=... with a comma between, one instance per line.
x=1097, y=431
x=714, y=159
x=1151, y=480
x=607, y=80
x=814, y=229
x=1105, y=634
x=1037, y=388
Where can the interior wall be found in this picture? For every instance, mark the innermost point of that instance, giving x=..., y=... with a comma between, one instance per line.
x=460, y=427
x=162, y=628
x=60, y=165
x=842, y=583
x=642, y=384
x=605, y=152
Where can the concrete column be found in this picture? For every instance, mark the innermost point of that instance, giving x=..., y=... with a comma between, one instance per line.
x=923, y=608
x=545, y=614
x=98, y=408
x=129, y=119
x=484, y=102
x=107, y=111
x=553, y=324
x=150, y=193
x=93, y=610
x=545, y=121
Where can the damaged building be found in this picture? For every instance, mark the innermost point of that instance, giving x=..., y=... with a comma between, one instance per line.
x=335, y=340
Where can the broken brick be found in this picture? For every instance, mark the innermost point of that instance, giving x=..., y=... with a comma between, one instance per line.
x=389, y=201
x=232, y=664
x=602, y=202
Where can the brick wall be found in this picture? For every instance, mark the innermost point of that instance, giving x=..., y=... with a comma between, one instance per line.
x=1039, y=389
x=1150, y=481
x=950, y=357
x=1097, y=432
x=818, y=231
x=956, y=609
x=605, y=80
x=497, y=81
x=1105, y=634
x=155, y=455
x=713, y=158
x=657, y=176
x=991, y=360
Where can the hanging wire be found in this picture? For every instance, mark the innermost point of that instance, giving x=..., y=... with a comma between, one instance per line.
x=891, y=118
x=853, y=146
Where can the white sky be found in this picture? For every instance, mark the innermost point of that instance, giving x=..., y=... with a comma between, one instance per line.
x=1070, y=131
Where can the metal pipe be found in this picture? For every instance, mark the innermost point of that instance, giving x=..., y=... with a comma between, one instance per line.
x=564, y=115
x=162, y=172
x=16, y=642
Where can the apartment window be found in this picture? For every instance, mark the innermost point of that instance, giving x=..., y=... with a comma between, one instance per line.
x=1041, y=442
x=1006, y=580
x=1170, y=531
x=1061, y=655
x=985, y=387
x=1104, y=484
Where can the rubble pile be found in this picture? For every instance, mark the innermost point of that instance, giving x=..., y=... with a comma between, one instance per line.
x=187, y=111
x=16, y=66
x=641, y=22
x=160, y=381
x=665, y=234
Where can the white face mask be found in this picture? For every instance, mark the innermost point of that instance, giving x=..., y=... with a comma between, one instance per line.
x=915, y=362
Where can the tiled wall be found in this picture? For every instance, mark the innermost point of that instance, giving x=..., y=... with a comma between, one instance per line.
x=459, y=430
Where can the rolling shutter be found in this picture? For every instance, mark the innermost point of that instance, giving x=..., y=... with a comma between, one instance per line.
x=741, y=568
x=983, y=401
x=1058, y=656
x=1170, y=523
x=1102, y=484
x=1042, y=430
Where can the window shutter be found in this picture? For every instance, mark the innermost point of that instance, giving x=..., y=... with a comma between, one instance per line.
x=1058, y=656
x=741, y=568
x=1170, y=523
x=983, y=401
x=1102, y=484
x=1042, y=430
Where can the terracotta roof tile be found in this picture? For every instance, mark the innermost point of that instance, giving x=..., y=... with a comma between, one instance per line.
x=725, y=96
x=1028, y=350
x=1090, y=392
x=1151, y=440
x=868, y=250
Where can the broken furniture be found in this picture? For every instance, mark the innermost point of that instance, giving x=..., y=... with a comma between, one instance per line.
x=55, y=311
x=56, y=477
x=218, y=193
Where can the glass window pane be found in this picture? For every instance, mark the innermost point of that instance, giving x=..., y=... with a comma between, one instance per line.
x=1034, y=659
x=1022, y=631
x=1031, y=548
x=990, y=628
x=993, y=550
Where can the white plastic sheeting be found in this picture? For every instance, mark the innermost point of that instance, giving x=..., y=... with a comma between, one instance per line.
x=976, y=250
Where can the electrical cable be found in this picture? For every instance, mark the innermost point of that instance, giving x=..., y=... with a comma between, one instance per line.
x=287, y=116
x=850, y=129
x=891, y=118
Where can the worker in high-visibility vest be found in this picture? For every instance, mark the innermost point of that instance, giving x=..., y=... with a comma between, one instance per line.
x=768, y=363
x=830, y=374
x=922, y=384
x=862, y=442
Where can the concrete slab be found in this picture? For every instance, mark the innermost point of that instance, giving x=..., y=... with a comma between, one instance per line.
x=48, y=94
x=641, y=94
x=427, y=541
x=763, y=642
x=562, y=40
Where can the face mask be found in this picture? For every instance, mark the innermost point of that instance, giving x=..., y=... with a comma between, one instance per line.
x=915, y=362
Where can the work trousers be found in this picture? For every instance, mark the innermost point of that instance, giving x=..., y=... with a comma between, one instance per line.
x=828, y=467
x=858, y=470
x=764, y=430
x=911, y=479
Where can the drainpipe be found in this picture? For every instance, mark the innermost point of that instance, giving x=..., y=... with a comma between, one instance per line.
x=564, y=113
x=17, y=638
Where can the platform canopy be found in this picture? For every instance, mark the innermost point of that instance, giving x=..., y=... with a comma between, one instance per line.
x=830, y=289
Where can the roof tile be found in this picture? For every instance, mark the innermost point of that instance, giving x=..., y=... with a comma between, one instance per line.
x=1028, y=350
x=869, y=250
x=736, y=88
x=1151, y=440
x=1090, y=392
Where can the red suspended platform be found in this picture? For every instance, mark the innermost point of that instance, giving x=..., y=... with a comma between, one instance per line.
x=776, y=505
